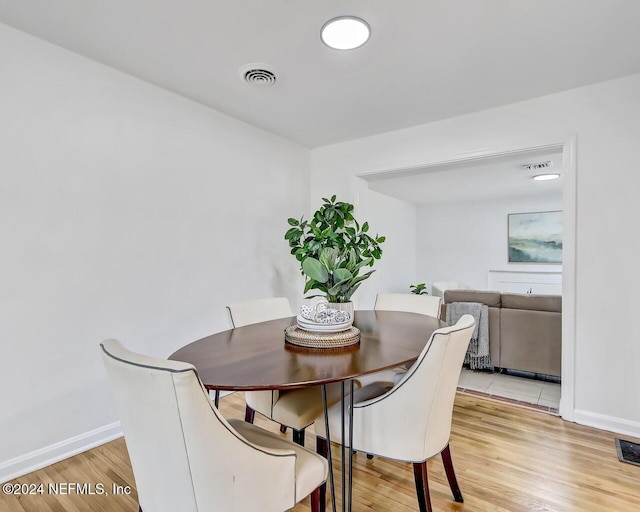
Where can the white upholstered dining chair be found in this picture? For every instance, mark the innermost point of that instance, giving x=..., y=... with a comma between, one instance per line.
x=411, y=420
x=296, y=408
x=409, y=303
x=186, y=457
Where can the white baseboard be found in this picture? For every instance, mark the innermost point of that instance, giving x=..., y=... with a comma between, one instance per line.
x=13, y=468
x=610, y=423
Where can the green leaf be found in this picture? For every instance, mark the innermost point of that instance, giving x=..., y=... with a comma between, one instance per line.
x=315, y=270
x=329, y=214
x=340, y=288
x=292, y=233
x=336, y=290
x=351, y=264
x=381, y=239
x=319, y=286
x=329, y=257
x=341, y=275
x=293, y=222
x=313, y=246
x=363, y=263
x=308, y=285
x=333, y=198
x=361, y=278
x=365, y=227
x=351, y=292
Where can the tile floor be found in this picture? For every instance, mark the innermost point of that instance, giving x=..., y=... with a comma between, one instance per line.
x=538, y=394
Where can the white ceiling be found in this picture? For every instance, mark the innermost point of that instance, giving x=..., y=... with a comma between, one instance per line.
x=478, y=180
x=426, y=60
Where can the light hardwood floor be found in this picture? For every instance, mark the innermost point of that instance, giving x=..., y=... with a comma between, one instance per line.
x=507, y=458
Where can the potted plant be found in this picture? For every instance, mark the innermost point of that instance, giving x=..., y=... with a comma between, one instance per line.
x=419, y=289
x=333, y=248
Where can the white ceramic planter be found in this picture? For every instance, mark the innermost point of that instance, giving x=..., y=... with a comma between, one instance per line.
x=343, y=306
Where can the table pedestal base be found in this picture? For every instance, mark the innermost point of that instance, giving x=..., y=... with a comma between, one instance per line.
x=345, y=447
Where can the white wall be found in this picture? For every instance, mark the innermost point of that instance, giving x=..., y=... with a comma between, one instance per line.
x=125, y=211
x=462, y=241
x=606, y=120
x=396, y=220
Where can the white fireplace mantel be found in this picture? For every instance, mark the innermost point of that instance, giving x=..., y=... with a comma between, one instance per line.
x=545, y=282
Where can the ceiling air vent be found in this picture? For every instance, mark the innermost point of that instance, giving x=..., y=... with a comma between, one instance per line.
x=539, y=165
x=261, y=75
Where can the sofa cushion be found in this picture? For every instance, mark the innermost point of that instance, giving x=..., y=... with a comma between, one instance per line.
x=491, y=299
x=531, y=341
x=552, y=303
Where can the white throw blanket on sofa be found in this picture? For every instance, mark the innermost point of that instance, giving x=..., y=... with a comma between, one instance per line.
x=478, y=353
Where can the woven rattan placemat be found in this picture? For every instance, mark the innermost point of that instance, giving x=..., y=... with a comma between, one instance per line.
x=296, y=336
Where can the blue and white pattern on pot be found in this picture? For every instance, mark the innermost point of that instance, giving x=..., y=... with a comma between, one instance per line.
x=321, y=313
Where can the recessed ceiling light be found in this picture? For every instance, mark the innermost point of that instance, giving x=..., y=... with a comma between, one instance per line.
x=345, y=33
x=546, y=177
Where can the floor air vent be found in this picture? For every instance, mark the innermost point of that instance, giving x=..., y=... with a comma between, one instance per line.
x=628, y=451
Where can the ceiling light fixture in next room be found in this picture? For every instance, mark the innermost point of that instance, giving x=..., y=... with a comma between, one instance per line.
x=546, y=177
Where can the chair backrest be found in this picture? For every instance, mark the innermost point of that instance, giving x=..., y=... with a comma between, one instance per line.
x=412, y=421
x=409, y=303
x=185, y=456
x=261, y=310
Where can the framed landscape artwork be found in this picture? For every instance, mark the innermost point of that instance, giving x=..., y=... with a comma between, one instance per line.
x=535, y=237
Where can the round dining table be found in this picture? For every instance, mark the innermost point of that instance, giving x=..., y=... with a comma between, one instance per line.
x=256, y=357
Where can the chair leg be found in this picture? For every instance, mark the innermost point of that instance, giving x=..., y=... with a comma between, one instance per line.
x=319, y=498
x=249, y=414
x=298, y=436
x=451, y=475
x=321, y=447
x=422, y=486
x=283, y=429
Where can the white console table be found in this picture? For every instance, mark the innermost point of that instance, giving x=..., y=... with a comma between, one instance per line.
x=526, y=281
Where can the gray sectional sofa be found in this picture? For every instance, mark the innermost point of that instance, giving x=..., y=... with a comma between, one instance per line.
x=525, y=331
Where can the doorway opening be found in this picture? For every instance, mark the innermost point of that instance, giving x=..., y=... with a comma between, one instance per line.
x=460, y=234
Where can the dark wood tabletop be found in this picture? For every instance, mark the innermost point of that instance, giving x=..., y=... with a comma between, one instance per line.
x=256, y=356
